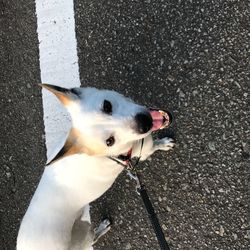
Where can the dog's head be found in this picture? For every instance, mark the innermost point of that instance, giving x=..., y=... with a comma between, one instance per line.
x=105, y=123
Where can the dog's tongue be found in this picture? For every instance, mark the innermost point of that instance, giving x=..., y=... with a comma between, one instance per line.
x=160, y=119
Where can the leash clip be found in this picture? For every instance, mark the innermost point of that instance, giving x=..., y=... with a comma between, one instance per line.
x=138, y=183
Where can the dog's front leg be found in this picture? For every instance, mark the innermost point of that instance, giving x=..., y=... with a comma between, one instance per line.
x=82, y=233
x=165, y=144
x=150, y=146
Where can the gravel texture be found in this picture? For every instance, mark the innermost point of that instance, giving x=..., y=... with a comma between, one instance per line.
x=191, y=57
x=21, y=138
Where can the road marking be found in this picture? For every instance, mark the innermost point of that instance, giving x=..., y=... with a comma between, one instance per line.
x=58, y=64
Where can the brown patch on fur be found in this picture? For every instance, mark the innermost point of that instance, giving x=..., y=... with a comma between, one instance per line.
x=75, y=144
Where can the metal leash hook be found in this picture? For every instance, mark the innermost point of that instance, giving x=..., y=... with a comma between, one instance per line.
x=135, y=177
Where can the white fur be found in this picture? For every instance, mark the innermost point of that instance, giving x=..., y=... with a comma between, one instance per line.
x=71, y=183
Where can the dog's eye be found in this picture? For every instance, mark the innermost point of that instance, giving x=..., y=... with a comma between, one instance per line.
x=110, y=141
x=107, y=107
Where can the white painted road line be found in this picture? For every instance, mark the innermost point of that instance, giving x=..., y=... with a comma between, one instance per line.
x=58, y=63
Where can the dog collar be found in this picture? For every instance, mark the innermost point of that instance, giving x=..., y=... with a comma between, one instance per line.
x=123, y=160
x=126, y=160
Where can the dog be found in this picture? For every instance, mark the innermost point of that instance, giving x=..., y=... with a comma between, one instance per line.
x=105, y=126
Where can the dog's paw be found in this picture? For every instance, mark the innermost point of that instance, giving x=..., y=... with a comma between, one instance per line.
x=165, y=144
x=105, y=223
x=102, y=229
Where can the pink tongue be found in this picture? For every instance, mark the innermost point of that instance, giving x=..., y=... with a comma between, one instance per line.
x=157, y=119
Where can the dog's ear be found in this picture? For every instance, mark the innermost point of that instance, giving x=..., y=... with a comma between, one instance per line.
x=64, y=95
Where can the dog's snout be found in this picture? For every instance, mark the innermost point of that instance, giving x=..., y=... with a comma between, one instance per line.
x=144, y=122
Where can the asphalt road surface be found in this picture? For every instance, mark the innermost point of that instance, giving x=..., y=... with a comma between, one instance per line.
x=191, y=57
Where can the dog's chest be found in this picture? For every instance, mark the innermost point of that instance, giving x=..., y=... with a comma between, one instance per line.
x=83, y=177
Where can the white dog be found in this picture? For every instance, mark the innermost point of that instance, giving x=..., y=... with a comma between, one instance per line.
x=104, y=124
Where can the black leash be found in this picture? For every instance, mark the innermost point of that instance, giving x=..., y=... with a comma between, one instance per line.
x=141, y=190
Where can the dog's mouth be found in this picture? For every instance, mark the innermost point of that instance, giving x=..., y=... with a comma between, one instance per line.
x=161, y=119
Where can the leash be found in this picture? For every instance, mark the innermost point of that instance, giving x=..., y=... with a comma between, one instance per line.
x=141, y=190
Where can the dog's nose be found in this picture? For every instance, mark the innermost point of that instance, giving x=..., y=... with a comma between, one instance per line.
x=144, y=122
